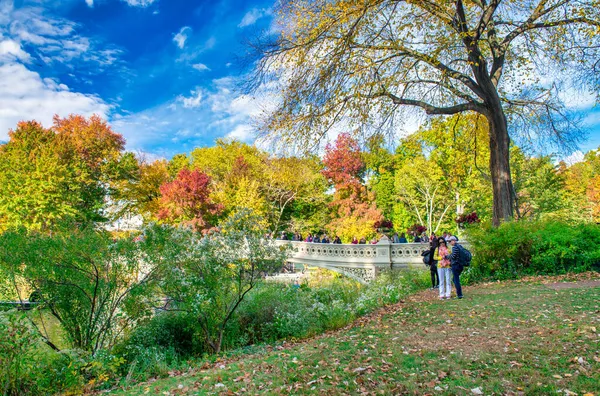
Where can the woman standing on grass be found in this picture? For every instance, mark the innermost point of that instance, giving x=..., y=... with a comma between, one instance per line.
x=444, y=269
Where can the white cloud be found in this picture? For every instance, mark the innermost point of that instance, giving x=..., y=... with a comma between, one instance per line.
x=244, y=133
x=576, y=99
x=90, y=3
x=592, y=119
x=11, y=50
x=193, y=101
x=24, y=95
x=254, y=15
x=139, y=3
x=201, y=67
x=55, y=39
x=181, y=37
x=574, y=158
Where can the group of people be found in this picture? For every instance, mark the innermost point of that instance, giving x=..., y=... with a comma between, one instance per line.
x=445, y=264
x=317, y=238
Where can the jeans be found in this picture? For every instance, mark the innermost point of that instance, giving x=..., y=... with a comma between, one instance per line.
x=445, y=285
x=435, y=278
x=456, y=271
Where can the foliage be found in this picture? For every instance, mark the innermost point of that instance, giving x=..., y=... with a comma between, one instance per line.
x=210, y=275
x=37, y=188
x=383, y=224
x=416, y=229
x=61, y=174
x=159, y=344
x=548, y=247
x=186, y=200
x=468, y=218
x=539, y=187
x=16, y=342
x=93, y=285
x=292, y=182
x=354, y=210
x=140, y=193
x=469, y=57
x=29, y=367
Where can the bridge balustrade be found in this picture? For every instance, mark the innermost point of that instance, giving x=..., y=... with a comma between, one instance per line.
x=360, y=262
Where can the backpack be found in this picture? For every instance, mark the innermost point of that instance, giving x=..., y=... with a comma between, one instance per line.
x=425, y=255
x=465, y=256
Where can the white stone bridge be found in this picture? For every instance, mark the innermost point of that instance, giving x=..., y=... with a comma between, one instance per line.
x=360, y=262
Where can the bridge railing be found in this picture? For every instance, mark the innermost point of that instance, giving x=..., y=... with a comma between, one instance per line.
x=362, y=262
x=382, y=253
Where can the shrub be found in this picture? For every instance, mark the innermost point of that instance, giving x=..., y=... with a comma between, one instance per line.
x=167, y=330
x=210, y=276
x=29, y=366
x=92, y=284
x=520, y=248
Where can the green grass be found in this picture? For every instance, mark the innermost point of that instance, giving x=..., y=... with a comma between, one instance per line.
x=502, y=338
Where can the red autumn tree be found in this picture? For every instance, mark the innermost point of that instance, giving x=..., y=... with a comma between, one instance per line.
x=187, y=200
x=354, y=206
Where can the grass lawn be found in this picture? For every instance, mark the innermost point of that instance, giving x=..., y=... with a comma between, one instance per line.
x=507, y=338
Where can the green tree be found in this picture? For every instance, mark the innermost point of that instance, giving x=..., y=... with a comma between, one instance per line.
x=93, y=285
x=361, y=63
x=38, y=189
x=425, y=192
x=209, y=276
x=95, y=152
x=380, y=165
x=63, y=174
x=539, y=187
x=291, y=182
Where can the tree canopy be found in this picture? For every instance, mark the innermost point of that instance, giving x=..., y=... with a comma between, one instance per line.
x=363, y=63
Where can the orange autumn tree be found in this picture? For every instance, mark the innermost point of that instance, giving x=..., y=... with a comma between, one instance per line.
x=354, y=208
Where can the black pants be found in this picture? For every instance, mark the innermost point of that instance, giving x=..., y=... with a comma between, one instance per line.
x=435, y=278
x=456, y=271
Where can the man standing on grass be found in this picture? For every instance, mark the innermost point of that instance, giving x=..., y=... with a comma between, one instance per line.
x=457, y=265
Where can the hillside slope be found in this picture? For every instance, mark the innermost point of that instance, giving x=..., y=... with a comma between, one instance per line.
x=503, y=338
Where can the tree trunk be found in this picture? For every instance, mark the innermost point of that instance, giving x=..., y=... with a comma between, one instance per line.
x=500, y=167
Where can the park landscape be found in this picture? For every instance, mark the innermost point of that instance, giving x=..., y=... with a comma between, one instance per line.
x=127, y=272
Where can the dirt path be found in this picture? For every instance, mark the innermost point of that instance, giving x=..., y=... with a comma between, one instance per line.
x=573, y=285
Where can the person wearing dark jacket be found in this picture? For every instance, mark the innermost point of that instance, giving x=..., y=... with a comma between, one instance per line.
x=435, y=278
x=457, y=266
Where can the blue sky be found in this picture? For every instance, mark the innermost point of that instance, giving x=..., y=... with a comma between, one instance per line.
x=165, y=73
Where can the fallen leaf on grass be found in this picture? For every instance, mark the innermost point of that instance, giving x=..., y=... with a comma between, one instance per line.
x=477, y=391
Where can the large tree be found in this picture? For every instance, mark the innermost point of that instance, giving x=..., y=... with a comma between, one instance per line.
x=65, y=173
x=363, y=62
